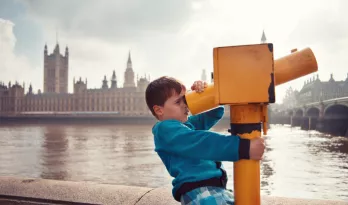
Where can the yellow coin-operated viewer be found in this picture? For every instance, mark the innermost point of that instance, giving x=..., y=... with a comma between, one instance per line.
x=245, y=78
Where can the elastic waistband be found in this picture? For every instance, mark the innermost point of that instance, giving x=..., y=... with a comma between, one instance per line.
x=189, y=186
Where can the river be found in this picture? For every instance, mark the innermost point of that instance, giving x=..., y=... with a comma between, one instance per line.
x=297, y=163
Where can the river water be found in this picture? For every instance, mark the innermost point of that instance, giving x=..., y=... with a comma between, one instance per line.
x=302, y=164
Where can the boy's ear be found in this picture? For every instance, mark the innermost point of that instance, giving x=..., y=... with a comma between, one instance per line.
x=158, y=110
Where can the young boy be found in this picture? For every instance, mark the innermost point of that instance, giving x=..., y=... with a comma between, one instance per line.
x=191, y=153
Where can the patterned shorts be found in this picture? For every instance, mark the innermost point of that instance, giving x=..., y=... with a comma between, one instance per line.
x=208, y=196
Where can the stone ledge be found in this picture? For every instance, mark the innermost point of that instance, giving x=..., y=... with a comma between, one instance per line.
x=18, y=191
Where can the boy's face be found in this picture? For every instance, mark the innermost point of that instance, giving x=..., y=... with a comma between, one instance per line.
x=174, y=108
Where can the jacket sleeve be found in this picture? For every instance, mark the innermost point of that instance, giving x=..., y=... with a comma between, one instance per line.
x=178, y=139
x=207, y=120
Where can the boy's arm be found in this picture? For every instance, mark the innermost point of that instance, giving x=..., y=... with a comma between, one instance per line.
x=176, y=138
x=207, y=120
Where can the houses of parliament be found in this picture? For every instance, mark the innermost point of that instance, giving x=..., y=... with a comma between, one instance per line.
x=128, y=100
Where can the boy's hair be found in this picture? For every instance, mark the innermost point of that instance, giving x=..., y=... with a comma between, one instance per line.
x=159, y=90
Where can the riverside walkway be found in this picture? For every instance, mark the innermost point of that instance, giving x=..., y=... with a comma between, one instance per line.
x=20, y=191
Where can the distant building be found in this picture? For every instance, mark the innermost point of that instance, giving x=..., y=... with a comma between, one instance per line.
x=204, y=76
x=315, y=90
x=290, y=99
x=128, y=100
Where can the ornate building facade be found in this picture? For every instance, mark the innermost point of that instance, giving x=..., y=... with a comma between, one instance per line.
x=315, y=90
x=128, y=100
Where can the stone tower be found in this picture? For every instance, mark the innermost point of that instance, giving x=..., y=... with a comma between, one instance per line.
x=80, y=86
x=129, y=74
x=56, y=71
x=105, y=83
x=204, y=76
x=142, y=83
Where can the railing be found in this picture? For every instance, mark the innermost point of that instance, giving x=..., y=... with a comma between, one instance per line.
x=325, y=101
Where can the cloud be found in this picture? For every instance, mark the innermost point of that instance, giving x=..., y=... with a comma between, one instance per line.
x=99, y=35
x=118, y=21
x=13, y=67
x=324, y=25
x=176, y=38
x=323, y=30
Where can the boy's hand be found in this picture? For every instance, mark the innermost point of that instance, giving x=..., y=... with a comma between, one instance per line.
x=257, y=147
x=199, y=86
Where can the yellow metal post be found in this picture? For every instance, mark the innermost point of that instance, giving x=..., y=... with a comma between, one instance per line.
x=245, y=78
x=246, y=123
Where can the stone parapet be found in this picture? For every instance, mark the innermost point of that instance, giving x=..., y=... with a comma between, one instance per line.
x=41, y=191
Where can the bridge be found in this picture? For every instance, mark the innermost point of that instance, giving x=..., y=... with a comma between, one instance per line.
x=328, y=116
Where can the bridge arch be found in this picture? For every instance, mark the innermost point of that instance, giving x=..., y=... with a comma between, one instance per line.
x=336, y=110
x=345, y=103
x=313, y=112
x=290, y=112
x=299, y=113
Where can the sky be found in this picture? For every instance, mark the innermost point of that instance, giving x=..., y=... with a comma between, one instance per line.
x=174, y=38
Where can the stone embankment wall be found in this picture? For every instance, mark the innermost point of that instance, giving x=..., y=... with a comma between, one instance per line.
x=17, y=191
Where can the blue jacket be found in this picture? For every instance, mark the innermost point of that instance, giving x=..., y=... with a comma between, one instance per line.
x=189, y=151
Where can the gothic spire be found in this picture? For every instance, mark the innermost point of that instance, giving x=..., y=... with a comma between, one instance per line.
x=129, y=58
x=56, y=49
x=45, y=49
x=30, y=89
x=331, y=78
x=263, y=37
x=114, y=75
x=66, y=50
x=113, y=80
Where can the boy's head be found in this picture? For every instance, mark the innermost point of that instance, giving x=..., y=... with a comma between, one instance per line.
x=165, y=98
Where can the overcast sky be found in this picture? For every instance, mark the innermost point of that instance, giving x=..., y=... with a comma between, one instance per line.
x=172, y=38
